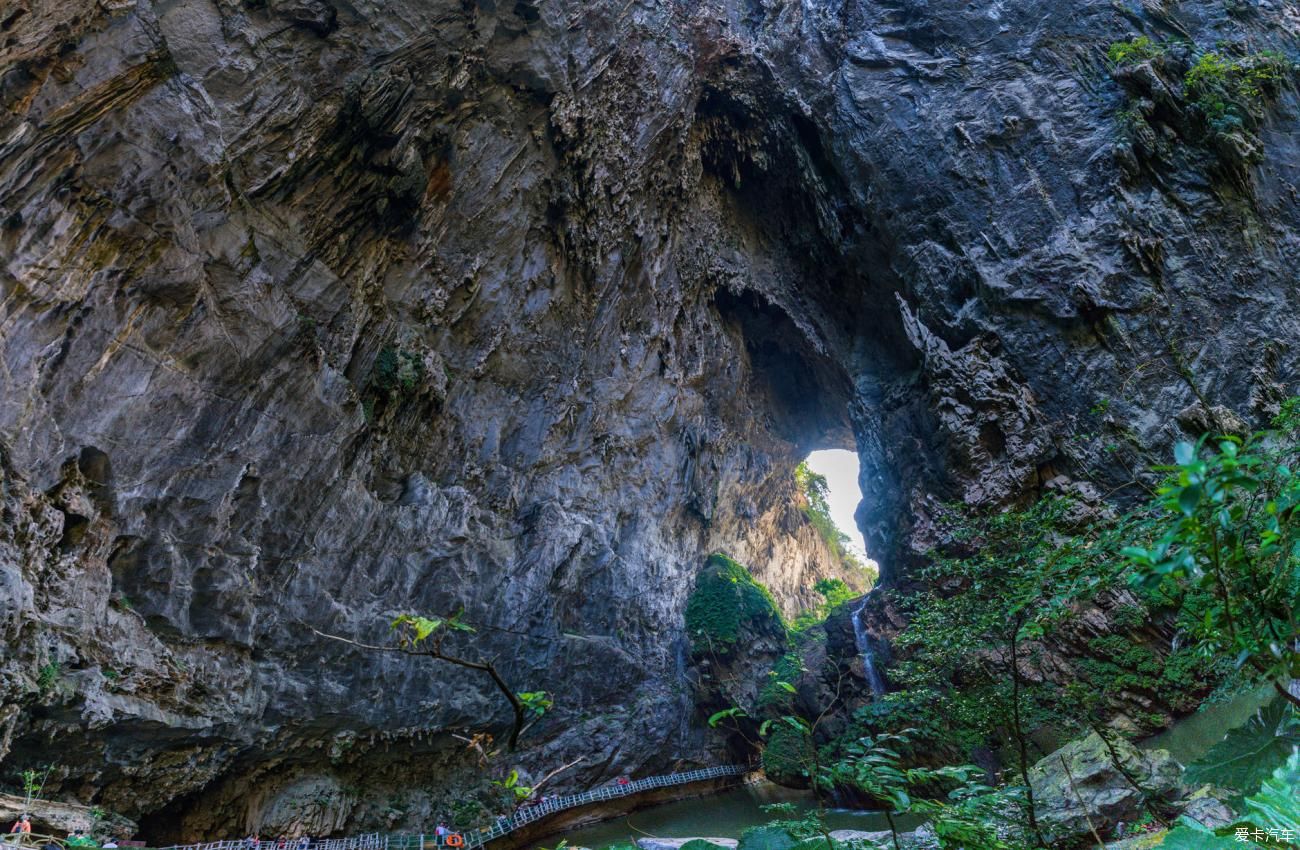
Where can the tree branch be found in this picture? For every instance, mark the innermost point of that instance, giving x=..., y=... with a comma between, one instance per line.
x=435, y=652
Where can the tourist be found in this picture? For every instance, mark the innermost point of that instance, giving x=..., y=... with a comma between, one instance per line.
x=282, y=842
x=23, y=825
x=440, y=834
x=623, y=780
x=304, y=842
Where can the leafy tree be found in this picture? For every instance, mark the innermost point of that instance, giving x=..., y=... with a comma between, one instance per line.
x=975, y=816
x=816, y=492
x=1227, y=540
x=873, y=767
x=969, y=818
x=415, y=634
x=835, y=591
x=1013, y=581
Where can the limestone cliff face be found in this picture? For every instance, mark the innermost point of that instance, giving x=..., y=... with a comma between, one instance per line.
x=318, y=311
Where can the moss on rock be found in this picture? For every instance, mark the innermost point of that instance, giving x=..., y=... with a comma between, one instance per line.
x=785, y=758
x=726, y=599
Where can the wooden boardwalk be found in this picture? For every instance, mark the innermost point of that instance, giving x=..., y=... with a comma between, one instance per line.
x=477, y=838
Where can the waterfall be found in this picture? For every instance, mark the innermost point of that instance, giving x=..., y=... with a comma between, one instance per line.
x=863, y=640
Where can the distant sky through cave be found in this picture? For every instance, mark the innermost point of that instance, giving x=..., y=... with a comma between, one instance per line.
x=841, y=470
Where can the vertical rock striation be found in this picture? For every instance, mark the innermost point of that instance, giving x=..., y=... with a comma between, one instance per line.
x=313, y=312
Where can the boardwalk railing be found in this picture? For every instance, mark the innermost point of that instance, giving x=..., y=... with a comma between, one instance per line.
x=537, y=811
x=477, y=838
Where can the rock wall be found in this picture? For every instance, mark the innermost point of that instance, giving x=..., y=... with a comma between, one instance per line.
x=318, y=311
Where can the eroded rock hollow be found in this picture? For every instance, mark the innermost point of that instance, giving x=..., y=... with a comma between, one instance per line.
x=315, y=312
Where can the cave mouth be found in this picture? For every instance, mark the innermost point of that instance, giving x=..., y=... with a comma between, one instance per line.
x=814, y=396
x=843, y=493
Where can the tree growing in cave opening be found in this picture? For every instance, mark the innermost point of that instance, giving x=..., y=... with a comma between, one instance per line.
x=425, y=636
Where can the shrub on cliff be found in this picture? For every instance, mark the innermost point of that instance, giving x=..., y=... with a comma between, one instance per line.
x=726, y=599
x=786, y=756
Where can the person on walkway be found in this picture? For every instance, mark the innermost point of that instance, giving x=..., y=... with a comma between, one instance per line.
x=304, y=842
x=623, y=780
x=23, y=825
x=440, y=834
x=282, y=843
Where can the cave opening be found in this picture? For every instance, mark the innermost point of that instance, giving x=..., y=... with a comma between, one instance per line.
x=842, y=493
x=814, y=401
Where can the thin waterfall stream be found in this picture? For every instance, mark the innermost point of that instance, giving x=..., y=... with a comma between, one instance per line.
x=863, y=641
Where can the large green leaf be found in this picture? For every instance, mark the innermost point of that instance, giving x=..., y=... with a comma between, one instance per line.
x=701, y=844
x=1276, y=807
x=766, y=838
x=1190, y=838
x=1277, y=804
x=1249, y=754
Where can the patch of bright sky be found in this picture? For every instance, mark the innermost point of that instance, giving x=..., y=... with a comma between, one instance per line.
x=841, y=470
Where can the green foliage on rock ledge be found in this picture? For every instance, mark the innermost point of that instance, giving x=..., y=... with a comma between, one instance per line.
x=816, y=491
x=397, y=372
x=727, y=597
x=1134, y=50
x=1227, y=91
x=785, y=758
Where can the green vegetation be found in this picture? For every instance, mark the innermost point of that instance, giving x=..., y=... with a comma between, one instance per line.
x=1269, y=813
x=1215, y=555
x=835, y=593
x=816, y=491
x=1229, y=92
x=786, y=754
x=701, y=844
x=1224, y=537
x=536, y=703
x=778, y=692
x=1134, y=50
x=34, y=784
x=1206, y=106
x=1249, y=754
x=397, y=372
x=726, y=598
x=511, y=783
x=415, y=634
x=48, y=676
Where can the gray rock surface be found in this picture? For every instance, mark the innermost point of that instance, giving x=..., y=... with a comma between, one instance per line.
x=1087, y=785
x=861, y=835
x=315, y=312
x=51, y=817
x=677, y=843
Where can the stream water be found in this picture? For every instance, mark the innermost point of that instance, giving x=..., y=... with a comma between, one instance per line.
x=724, y=815
x=1192, y=736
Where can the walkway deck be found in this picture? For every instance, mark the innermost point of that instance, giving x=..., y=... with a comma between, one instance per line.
x=477, y=838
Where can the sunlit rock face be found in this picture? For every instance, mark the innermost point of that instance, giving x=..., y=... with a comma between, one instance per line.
x=315, y=312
